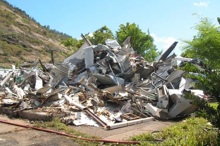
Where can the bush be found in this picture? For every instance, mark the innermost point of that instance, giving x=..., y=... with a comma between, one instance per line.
x=211, y=113
x=193, y=132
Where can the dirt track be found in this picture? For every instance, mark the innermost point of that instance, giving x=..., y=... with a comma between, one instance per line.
x=17, y=136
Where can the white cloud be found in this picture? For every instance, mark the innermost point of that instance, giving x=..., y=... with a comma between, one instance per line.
x=201, y=4
x=91, y=34
x=163, y=43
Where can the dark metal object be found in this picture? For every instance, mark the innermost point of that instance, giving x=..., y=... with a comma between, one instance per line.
x=167, y=52
x=43, y=67
x=86, y=40
x=52, y=57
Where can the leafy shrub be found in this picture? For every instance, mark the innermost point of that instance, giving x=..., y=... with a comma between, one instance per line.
x=192, y=132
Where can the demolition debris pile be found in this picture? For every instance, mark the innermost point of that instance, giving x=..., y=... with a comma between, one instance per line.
x=100, y=85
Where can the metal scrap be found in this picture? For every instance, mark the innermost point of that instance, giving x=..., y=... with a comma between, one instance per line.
x=108, y=85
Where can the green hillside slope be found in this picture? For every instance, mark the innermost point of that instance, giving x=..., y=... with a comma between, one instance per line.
x=22, y=39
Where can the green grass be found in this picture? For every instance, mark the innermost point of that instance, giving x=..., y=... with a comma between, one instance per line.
x=190, y=132
x=55, y=124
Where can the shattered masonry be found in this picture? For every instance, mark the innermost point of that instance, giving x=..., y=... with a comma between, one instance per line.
x=100, y=85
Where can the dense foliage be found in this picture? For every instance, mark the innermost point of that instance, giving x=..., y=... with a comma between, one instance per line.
x=190, y=132
x=206, y=47
x=206, y=44
x=100, y=35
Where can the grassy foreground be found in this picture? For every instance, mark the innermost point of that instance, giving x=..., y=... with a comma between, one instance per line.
x=190, y=132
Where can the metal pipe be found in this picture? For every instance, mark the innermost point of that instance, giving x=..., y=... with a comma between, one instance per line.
x=167, y=52
x=69, y=135
x=97, y=119
x=86, y=40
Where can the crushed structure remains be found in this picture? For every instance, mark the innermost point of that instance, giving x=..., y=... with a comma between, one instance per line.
x=100, y=85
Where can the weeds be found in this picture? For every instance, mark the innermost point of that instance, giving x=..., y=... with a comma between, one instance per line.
x=55, y=124
x=193, y=132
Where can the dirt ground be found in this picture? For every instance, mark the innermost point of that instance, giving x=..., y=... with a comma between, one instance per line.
x=17, y=136
x=125, y=132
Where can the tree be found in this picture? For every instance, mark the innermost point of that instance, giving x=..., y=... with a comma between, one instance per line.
x=100, y=35
x=205, y=46
x=218, y=19
x=141, y=42
x=72, y=44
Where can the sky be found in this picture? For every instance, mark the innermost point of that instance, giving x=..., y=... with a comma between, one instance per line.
x=167, y=20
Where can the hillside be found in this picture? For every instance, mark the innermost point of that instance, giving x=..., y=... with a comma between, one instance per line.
x=22, y=39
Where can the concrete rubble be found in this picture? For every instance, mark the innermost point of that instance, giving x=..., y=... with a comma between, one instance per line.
x=100, y=85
